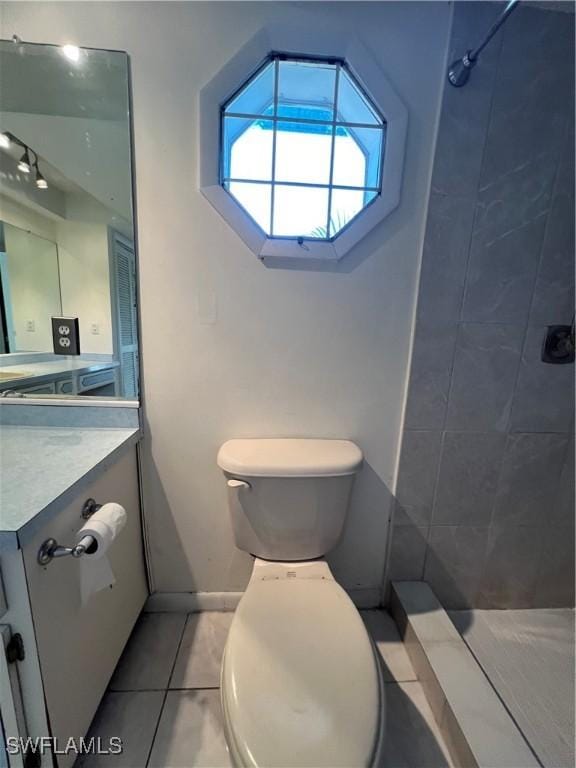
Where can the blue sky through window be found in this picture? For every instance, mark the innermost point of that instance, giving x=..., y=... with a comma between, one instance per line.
x=302, y=149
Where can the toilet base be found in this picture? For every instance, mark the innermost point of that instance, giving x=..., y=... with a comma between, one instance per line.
x=293, y=607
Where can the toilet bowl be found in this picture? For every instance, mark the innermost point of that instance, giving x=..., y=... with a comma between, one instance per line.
x=301, y=681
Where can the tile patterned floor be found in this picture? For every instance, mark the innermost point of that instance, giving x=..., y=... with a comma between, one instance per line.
x=164, y=702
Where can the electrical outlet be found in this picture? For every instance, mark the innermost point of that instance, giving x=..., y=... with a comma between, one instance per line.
x=95, y=329
x=66, y=335
x=30, y=326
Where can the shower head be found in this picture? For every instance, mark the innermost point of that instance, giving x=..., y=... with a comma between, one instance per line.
x=459, y=70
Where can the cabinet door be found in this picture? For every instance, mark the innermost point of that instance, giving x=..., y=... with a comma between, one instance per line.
x=42, y=389
x=80, y=644
x=65, y=387
x=92, y=380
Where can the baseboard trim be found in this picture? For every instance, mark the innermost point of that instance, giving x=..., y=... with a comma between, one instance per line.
x=366, y=597
x=194, y=602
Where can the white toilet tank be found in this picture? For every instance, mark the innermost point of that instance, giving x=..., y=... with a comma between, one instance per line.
x=288, y=498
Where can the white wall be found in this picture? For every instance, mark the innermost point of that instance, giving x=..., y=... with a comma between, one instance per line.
x=84, y=271
x=231, y=348
x=33, y=287
x=13, y=212
x=82, y=241
x=91, y=153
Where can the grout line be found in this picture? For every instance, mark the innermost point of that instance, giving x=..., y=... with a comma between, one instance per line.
x=483, y=526
x=518, y=371
x=468, y=252
x=495, y=431
x=135, y=690
x=553, y=195
x=434, y=499
x=497, y=692
x=166, y=691
x=197, y=688
x=156, y=729
x=443, y=434
x=452, y=365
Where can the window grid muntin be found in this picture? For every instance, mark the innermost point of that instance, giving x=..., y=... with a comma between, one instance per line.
x=304, y=238
x=275, y=59
x=331, y=173
x=274, y=134
x=316, y=185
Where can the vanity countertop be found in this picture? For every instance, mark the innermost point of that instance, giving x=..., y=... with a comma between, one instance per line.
x=37, y=372
x=44, y=468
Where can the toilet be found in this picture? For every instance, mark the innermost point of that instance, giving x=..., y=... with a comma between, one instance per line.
x=301, y=681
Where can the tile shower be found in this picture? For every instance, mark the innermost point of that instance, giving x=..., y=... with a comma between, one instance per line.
x=485, y=492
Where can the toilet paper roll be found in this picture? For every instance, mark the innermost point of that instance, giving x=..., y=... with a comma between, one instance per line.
x=95, y=570
x=103, y=526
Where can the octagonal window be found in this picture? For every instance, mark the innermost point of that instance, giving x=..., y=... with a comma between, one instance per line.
x=302, y=148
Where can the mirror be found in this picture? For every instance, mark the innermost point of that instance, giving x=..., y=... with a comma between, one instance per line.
x=66, y=223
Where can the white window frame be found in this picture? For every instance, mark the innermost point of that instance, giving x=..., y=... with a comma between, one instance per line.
x=327, y=43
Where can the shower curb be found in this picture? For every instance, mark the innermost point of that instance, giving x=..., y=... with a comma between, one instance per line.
x=478, y=730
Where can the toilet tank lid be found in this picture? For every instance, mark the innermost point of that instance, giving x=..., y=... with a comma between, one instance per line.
x=289, y=457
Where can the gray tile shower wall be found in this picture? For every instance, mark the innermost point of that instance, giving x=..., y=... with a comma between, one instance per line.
x=485, y=495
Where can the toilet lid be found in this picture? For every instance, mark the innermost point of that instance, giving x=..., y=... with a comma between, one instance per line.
x=300, y=684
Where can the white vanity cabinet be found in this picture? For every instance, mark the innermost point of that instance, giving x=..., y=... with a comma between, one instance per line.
x=72, y=648
x=99, y=383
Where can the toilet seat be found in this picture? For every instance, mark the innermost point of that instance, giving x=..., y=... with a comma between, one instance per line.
x=301, y=685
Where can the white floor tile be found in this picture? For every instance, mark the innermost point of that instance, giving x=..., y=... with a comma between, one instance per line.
x=200, y=655
x=131, y=716
x=413, y=739
x=148, y=658
x=190, y=733
x=383, y=630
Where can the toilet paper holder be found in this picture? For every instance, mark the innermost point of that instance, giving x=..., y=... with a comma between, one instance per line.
x=89, y=507
x=50, y=548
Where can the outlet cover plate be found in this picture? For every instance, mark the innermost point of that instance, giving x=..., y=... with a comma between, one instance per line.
x=66, y=335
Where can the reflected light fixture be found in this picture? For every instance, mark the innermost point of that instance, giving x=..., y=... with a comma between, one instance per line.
x=24, y=165
x=41, y=182
x=72, y=52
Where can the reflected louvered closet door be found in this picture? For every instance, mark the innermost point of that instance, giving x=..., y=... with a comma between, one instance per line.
x=127, y=333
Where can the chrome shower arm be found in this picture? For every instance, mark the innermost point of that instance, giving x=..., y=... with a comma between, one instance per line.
x=459, y=71
x=475, y=52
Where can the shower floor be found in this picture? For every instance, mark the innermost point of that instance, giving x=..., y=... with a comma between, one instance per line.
x=528, y=656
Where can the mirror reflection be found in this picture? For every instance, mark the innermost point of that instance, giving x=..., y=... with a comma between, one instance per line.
x=67, y=255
